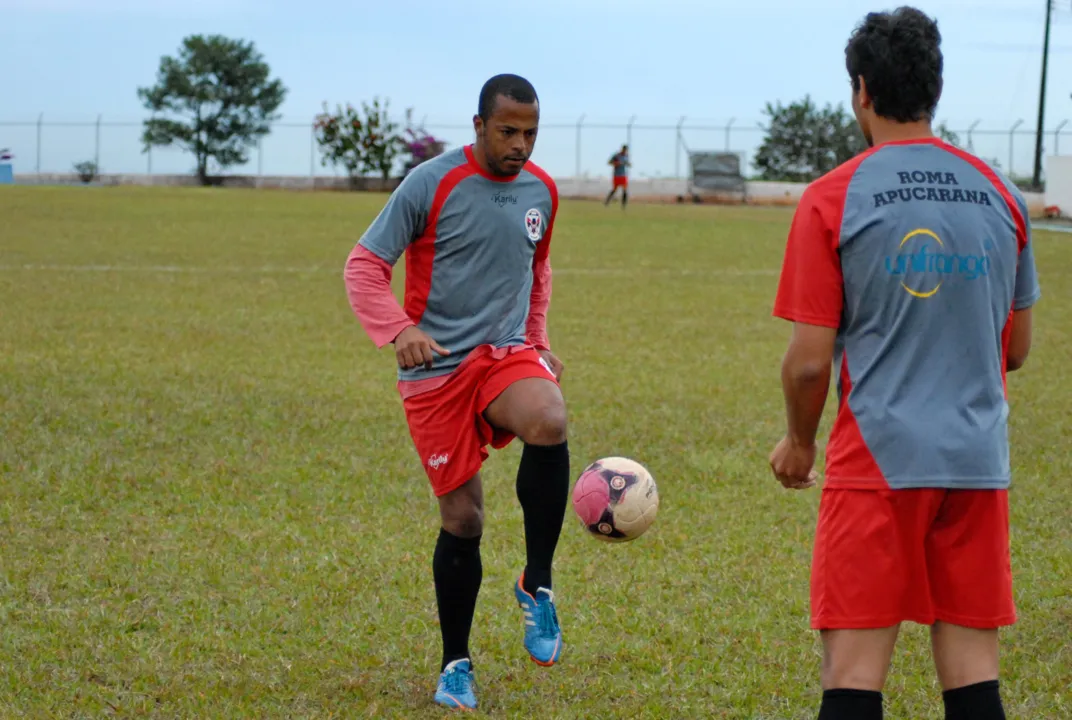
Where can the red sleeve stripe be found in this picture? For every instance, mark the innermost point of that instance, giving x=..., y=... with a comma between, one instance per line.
x=420, y=255
x=984, y=169
x=841, y=179
x=552, y=188
x=540, y=297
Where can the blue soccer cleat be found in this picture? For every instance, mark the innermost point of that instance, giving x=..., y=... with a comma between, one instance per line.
x=456, y=686
x=543, y=636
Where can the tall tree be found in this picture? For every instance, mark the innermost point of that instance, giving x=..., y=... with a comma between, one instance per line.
x=216, y=100
x=804, y=141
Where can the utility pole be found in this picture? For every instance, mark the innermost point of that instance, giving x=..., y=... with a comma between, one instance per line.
x=1036, y=180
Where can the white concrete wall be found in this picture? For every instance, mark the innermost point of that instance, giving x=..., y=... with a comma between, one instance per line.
x=275, y=182
x=669, y=189
x=665, y=190
x=645, y=189
x=759, y=193
x=1059, y=183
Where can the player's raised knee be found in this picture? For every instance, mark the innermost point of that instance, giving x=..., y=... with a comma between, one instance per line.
x=545, y=425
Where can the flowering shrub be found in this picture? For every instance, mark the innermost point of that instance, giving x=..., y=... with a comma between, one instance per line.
x=362, y=145
x=420, y=145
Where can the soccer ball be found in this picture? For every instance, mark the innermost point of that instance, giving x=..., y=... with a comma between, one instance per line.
x=616, y=499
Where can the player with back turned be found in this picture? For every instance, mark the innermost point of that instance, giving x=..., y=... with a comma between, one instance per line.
x=475, y=365
x=911, y=268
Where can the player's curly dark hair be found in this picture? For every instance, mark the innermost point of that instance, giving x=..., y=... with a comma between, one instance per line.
x=897, y=54
x=514, y=87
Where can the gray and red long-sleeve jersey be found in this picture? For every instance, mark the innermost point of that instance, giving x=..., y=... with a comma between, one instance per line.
x=477, y=265
x=918, y=253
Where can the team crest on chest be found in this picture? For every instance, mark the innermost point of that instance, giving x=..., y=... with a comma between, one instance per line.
x=534, y=225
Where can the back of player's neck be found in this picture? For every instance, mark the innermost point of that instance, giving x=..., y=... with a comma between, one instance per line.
x=884, y=131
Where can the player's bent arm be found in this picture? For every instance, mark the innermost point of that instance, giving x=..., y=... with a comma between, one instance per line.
x=369, y=266
x=540, y=296
x=806, y=371
x=539, y=302
x=1019, y=340
x=368, y=285
x=1026, y=293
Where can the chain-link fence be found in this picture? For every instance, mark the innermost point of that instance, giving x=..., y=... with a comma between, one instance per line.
x=578, y=148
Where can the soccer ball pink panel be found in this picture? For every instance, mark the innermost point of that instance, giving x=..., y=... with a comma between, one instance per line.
x=616, y=499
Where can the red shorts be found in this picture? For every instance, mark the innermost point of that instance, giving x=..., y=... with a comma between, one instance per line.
x=447, y=424
x=922, y=555
x=621, y=181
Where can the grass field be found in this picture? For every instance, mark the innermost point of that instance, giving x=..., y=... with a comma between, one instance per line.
x=210, y=507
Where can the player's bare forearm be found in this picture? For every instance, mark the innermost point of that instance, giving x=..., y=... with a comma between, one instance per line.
x=1019, y=340
x=805, y=388
x=806, y=380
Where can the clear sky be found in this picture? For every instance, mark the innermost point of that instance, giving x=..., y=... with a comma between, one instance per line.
x=707, y=60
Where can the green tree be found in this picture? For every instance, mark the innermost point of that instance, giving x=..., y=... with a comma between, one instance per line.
x=804, y=141
x=214, y=99
x=363, y=143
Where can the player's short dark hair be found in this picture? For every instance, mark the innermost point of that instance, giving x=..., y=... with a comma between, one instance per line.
x=897, y=54
x=514, y=87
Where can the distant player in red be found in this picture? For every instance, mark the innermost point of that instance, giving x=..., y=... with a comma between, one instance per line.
x=620, y=179
x=475, y=366
x=911, y=268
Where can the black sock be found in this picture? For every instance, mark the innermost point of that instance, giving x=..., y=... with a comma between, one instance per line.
x=543, y=488
x=842, y=704
x=981, y=701
x=457, y=571
x=625, y=198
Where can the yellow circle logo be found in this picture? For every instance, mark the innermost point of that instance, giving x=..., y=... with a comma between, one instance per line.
x=909, y=236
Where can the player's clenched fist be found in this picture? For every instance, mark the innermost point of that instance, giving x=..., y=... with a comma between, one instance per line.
x=414, y=348
x=792, y=465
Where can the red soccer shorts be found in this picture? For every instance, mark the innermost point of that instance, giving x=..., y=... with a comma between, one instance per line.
x=447, y=424
x=622, y=182
x=922, y=555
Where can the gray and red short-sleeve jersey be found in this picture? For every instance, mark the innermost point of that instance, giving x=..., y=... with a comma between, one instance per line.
x=476, y=246
x=917, y=253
